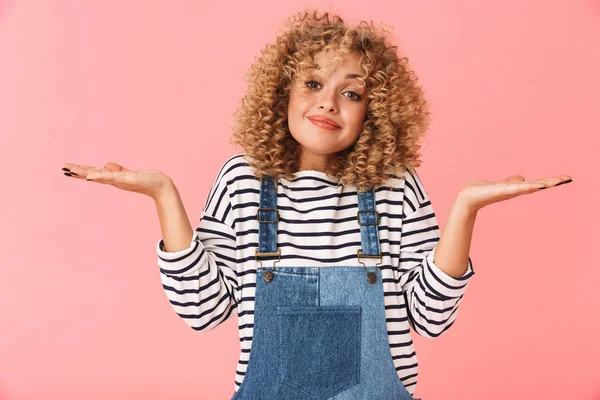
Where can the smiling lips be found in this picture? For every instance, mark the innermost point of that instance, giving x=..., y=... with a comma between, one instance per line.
x=324, y=123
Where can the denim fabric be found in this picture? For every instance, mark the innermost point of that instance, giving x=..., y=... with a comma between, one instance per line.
x=319, y=332
x=267, y=232
x=369, y=234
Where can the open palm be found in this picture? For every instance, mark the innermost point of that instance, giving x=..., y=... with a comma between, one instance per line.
x=146, y=181
x=480, y=193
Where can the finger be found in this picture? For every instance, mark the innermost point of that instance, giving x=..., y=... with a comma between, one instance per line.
x=564, y=181
x=514, y=178
x=111, y=177
x=68, y=166
x=76, y=171
x=517, y=187
x=558, y=180
x=72, y=165
x=112, y=166
x=537, y=184
x=74, y=175
x=83, y=173
x=80, y=169
x=106, y=177
x=551, y=181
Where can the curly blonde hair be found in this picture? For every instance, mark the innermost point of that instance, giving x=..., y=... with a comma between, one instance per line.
x=397, y=112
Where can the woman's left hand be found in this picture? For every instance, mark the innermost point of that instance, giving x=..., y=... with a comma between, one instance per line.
x=480, y=193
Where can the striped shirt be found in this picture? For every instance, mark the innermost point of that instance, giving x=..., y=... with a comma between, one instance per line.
x=216, y=276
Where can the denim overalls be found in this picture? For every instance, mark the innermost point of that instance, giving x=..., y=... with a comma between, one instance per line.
x=319, y=332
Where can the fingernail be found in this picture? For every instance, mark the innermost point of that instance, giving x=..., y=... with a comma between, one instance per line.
x=87, y=179
x=542, y=188
x=567, y=181
x=67, y=173
x=73, y=173
x=65, y=169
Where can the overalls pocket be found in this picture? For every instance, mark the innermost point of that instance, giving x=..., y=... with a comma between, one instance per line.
x=320, y=348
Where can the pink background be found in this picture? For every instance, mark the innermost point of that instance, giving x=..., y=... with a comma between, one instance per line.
x=513, y=87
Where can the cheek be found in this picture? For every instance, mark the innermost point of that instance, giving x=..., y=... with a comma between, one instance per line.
x=298, y=104
x=293, y=108
x=295, y=112
x=357, y=117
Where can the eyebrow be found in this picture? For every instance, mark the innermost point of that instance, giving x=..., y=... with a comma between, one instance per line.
x=348, y=76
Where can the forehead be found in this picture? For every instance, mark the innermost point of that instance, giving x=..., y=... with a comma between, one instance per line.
x=324, y=60
x=348, y=67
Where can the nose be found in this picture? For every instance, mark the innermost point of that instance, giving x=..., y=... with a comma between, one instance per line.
x=327, y=101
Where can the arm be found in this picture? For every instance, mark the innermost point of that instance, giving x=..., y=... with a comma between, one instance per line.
x=452, y=252
x=432, y=296
x=198, y=267
x=175, y=226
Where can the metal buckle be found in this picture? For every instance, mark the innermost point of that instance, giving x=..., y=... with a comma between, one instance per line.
x=277, y=253
x=267, y=208
x=366, y=211
x=359, y=254
x=267, y=274
x=371, y=276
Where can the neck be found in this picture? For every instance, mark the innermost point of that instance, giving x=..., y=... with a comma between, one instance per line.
x=316, y=162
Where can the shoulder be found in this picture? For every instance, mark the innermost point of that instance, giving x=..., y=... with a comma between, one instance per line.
x=234, y=167
x=234, y=174
x=414, y=186
x=414, y=193
x=407, y=179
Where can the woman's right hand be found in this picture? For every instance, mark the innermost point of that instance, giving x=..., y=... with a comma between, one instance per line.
x=146, y=181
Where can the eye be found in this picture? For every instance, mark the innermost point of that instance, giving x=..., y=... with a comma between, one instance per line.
x=307, y=83
x=357, y=96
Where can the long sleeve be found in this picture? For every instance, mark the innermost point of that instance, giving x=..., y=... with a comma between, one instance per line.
x=432, y=296
x=201, y=281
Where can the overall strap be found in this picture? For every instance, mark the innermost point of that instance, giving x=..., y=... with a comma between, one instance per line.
x=368, y=219
x=268, y=217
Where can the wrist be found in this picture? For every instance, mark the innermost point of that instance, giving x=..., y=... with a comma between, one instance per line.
x=166, y=191
x=463, y=206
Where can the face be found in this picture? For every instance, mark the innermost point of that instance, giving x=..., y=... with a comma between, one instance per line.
x=333, y=95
